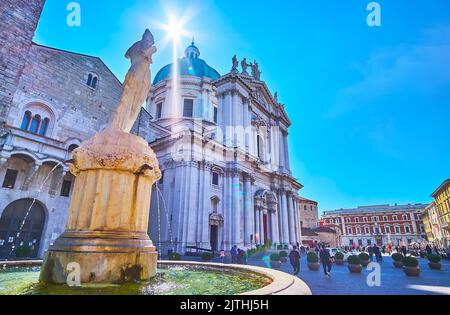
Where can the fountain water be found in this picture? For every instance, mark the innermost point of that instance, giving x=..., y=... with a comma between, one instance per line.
x=169, y=223
x=27, y=213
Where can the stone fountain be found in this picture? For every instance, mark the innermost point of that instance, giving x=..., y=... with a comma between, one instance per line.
x=106, y=232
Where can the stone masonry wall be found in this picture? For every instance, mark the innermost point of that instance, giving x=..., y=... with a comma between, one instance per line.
x=58, y=79
x=19, y=20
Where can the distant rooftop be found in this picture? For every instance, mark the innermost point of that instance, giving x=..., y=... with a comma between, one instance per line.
x=377, y=208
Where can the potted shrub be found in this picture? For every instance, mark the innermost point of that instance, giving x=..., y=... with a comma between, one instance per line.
x=206, y=256
x=411, y=266
x=283, y=256
x=339, y=258
x=174, y=256
x=364, y=258
x=354, y=264
x=313, y=261
x=397, y=260
x=24, y=251
x=434, y=262
x=275, y=261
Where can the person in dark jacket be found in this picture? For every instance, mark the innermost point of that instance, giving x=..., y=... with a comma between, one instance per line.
x=325, y=259
x=234, y=254
x=404, y=250
x=294, y=258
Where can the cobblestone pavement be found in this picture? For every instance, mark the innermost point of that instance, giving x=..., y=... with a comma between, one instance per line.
x=393, y=280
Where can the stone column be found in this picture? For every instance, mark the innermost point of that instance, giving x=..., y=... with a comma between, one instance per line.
x=247, y=126
x=282, y=151
x=291, y=218
x=300, y=238
x=261, y=225
x=228, y=130
x=187, y=206
x=236, y=210
x=206, y=205
x=286, y=152
x=296, y=221
x=285, y=218
x=228, y=212
x=276, y=235
x=248, y=209
x=256, y=235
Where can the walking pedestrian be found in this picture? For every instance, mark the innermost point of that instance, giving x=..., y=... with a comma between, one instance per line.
x=325, y=259
x=234, y=254
x=294, y=257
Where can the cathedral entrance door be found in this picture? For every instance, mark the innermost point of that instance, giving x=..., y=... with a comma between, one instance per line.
x=17, y=241
x=214, y=237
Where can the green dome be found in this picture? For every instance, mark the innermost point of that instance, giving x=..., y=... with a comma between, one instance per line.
x=190, y=64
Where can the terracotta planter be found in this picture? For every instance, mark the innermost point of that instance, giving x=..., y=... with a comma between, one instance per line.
x=339, y=262
x=411, y=271
x=355, y=268
x=313, y=266
x=398, y=264
x=364, y=263
x=435, y=266
x=283, y=259
x=276, y=264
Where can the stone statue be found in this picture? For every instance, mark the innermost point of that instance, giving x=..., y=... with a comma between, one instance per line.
x=136, y=84
x=235, y=64
x=275, y=96
x=244, y=66
x=255, y=70
x=109, y=210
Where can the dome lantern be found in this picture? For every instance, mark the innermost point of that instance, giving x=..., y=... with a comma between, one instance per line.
x=192, y=52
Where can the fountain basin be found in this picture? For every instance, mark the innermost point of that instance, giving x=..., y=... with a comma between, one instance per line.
x=173, y=278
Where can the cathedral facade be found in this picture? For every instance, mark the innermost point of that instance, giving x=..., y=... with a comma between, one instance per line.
x=221, y=141
x=226, y=136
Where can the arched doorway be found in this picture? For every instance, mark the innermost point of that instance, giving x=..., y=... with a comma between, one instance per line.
x=17, y=241
x=265, y=224
x=215, y=222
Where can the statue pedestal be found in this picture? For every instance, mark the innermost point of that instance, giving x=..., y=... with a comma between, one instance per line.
x=106, y=231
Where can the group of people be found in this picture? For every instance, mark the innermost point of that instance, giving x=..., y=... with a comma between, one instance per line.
x=238, y=255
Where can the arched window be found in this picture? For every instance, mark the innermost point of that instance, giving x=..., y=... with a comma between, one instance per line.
x=38, y=118
x=35, y=122
x=72, y=147
x=92, y=81
x=44, y=127
x=89, y=80
x=26, y=120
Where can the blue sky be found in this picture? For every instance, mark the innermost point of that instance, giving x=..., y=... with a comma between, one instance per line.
x=370, y=107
